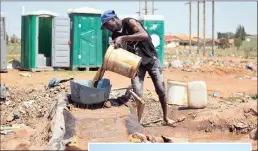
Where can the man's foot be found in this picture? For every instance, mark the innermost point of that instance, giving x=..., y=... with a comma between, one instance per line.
x=169, y=122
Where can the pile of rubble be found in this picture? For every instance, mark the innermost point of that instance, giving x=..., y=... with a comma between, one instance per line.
x=22, y=106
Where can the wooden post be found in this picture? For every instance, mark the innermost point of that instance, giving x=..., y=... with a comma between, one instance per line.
x=204, y=28
x=213, y=42
x=146, y=7
x=152, y=7
x=139, y=8
x=198, y=28
x=190, y=27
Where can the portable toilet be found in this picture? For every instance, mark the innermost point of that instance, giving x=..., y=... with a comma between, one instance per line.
x=154, y=24
x=3, y=51
x=86, y=38
x=106, y=39
x=44, y=41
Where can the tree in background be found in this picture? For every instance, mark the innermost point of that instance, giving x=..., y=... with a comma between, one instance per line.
x=238, y=42
x=226, y=35
x=239, y=36
x=240, y=32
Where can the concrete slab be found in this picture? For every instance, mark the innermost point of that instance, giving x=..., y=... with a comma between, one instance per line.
x=101, y=125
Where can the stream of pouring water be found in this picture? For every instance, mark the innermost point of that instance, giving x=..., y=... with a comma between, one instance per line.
x=98, y=76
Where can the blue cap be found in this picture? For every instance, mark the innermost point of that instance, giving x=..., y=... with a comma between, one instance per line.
x=106, y=16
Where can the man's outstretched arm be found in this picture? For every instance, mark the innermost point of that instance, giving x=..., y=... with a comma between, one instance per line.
x=139, y=34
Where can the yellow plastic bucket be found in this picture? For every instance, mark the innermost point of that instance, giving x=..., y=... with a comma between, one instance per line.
x=121, y=62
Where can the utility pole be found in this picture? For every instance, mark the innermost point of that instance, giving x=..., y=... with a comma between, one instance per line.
x=146, y=7
x=213, y=27
x=198, y=22
x=204, y=28
x=139, y=8
x=190, y=27
x=152, y=7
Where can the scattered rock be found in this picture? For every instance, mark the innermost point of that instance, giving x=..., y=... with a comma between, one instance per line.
x=187, y=70
x=247, y=110
x=137, y=138
x=154, y=139
x=28, y=104
x=254, y=134
x=244, y=100
x=241, y=125
x=3, y=91
x=5, y=132
x=10, y=117
x=239, y=94
x=194, y=116
x=239, y=100
x=167, y=139
x=249, y=67
x=7, y=103
x=16, y=114
x=181, y=119
x=108, y=104
x=26, y=74
x=62, y=86
x=211, y=121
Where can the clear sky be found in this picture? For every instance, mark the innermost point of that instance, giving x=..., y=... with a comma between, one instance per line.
x=227, y=14
x=169, y=147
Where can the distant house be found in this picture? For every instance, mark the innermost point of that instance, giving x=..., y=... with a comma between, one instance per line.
x=178, y=40
x=171, y=40
x=209, y=43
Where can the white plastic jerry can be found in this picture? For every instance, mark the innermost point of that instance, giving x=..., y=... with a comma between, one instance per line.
x=176, y=92
x=197, y=94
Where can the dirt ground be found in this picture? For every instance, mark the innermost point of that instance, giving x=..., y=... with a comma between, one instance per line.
x=217, y=79
x=227, y=118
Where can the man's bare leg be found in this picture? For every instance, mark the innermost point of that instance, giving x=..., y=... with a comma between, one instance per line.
x=163, y=102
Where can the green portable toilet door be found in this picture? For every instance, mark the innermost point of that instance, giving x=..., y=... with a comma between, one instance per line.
x=156, y=31
x=89, y=43
x=29, y=47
